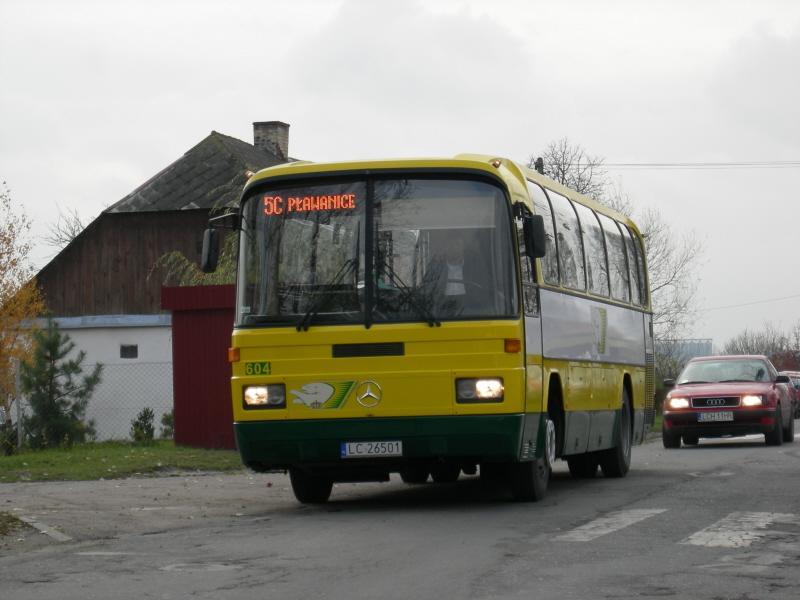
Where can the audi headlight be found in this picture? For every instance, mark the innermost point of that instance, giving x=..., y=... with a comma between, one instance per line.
x=752, y=401
x=479, y=390
x=678, y=403
x=265, y=396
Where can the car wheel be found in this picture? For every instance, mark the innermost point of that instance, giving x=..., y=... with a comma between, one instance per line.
x=775, y=437
x=691, y=439
x=788, y=432
x=583, y=466
x=310, y=488
x=670, y=440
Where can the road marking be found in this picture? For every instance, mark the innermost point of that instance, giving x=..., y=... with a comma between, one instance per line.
x=740, y=529
x=608, y=524
x=42, y=528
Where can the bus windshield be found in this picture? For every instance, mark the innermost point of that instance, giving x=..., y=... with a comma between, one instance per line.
x=383, y=250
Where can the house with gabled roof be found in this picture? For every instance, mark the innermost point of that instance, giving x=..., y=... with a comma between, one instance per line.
x=104, y=292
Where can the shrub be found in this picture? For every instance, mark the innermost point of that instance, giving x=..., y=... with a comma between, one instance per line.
x=168, y=425
x=142, y=430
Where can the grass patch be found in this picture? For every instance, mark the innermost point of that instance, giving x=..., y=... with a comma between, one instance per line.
x=9, y=523
x=112, y=460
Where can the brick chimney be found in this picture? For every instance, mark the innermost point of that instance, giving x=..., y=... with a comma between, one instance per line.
x=272, y=136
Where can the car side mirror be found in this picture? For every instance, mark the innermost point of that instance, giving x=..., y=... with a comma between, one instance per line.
x=210, y=255
x=782, y=379
x=533, y=230
x=669, y=383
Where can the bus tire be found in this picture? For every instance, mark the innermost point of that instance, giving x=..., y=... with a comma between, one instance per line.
x=310, y=488
x=414, y=475
x=616, y=461
x=529, y=479
x=445, y=473
x=583, y=466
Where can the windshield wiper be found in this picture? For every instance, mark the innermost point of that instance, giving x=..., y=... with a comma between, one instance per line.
x=735, y=380
x=347, y=267
x=409, y=294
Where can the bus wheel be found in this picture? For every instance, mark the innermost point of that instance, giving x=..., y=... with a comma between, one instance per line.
x=309, y=488
x=414, y=475
x=583, y=466
x=445, y=473
x=616, y=461
x=529, y=479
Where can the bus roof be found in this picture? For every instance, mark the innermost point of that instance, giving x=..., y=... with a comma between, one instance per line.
x=510, y=172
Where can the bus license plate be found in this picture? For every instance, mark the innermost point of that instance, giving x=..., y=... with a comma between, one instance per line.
x=722, y=415
x=369, y=449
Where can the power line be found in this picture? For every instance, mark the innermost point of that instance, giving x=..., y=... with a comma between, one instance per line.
x=750, y=303
x=752, y=164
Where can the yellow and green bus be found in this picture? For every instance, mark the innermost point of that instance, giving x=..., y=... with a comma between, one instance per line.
x=430, y=317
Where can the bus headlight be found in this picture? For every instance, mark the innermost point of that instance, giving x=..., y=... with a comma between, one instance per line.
x=751, y=401
x=678, y=403
x=479, y=390
x=265, y=396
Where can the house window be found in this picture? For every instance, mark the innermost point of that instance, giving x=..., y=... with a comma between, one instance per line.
x=129, y=351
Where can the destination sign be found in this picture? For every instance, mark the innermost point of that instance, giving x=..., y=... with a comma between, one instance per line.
x=278, y=205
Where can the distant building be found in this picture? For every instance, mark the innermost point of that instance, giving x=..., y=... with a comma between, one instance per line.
x=684, y=349
x=103, y=291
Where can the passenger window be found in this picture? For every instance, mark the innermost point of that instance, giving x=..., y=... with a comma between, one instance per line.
x=640, y=262
x=595, y=250
x=633, y=269
x=550, y=260
x=617, y=262
x=568, y=241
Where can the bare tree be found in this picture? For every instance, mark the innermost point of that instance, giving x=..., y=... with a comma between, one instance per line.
x=65, y=229
x=570, y=165
x=671, y=258
x=783, y=349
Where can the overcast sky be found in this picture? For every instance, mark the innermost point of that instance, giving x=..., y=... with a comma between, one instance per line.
x=97, y=96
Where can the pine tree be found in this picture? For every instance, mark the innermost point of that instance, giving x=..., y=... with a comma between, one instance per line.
x=57, y=390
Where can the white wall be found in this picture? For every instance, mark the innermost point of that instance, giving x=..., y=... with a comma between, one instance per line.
x=128, y=384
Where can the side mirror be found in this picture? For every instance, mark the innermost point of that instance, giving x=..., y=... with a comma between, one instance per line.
x=533, y=230
x=782, y=379
x=210, y=255
x=669, y=383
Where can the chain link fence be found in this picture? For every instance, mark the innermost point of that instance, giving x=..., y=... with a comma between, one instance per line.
x=124, y=390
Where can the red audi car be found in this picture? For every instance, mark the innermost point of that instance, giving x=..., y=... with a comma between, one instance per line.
x=717, y=396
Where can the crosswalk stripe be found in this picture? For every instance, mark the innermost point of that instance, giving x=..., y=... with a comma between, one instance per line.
x=739, y=529
x=611, y=522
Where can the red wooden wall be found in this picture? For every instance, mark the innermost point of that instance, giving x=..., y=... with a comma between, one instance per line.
x=202, y=321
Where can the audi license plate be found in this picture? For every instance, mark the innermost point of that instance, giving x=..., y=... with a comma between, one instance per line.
x=369, y=449
x=716, y=416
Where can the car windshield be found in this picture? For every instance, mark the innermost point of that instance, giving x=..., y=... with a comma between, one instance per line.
x=372, y=251
x=715, y=371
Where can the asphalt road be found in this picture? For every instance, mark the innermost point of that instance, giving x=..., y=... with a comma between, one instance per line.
x=718, y=521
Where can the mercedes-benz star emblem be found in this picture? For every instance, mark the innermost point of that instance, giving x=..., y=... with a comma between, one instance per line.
x=368, y=394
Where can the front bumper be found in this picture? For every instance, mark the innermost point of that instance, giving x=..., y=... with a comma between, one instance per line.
x=744, y=422
x=278, y=445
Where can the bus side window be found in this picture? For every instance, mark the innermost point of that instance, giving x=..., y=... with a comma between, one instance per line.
x=550, y=260
x=595, y=250
x=528, y=280
x=570, y=246
x=633, y=268
x=640, y=266
x=617, y=261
